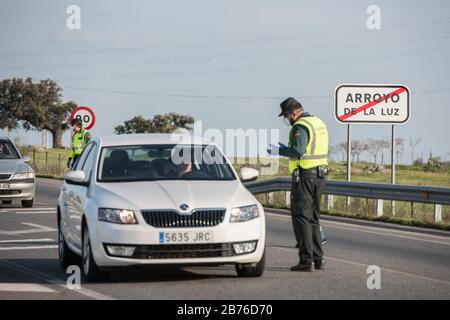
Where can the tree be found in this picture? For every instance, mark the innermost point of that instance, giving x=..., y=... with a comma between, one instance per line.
x=413, y=145
x=135, y=125
x=399, y=148
x=166, y=123
x=342, y=147
x=34, y=105
x=358, y=147
x=375, y=147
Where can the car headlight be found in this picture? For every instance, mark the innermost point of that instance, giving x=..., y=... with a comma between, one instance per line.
x=242, y=214
x=117, y=216
x=23, y=175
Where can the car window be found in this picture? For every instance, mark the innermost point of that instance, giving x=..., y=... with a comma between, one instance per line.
x=7, y=150
x=80, y=162
x=163, y=162
x=89, y=163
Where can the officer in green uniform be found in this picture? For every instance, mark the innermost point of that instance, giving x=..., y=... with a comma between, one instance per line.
x=308, y=164
x=80, y=138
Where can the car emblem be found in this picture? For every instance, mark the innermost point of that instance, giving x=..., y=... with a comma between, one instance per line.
x=184, y=207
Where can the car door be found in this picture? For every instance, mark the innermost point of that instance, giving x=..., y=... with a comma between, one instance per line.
x=72, y=200
x=82, y=194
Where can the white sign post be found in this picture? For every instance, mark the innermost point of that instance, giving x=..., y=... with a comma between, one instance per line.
x=372, y=104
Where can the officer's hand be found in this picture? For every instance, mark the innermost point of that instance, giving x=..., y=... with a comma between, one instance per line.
x=282, y=146
x=68, y=163
x=273, y=149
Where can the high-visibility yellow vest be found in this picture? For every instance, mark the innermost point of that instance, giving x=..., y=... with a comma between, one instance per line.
x=79, y=141
x=317, y=149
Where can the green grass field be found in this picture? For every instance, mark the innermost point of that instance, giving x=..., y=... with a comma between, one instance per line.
x=52, y=162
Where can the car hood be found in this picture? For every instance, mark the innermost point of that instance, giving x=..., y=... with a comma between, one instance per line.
x=13, y=166
x=171, y=194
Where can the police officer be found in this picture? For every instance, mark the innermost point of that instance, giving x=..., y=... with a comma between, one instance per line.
x=308, y=164
x=80, y=138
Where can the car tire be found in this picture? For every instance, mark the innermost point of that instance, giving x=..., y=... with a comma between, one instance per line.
x=249, y=271
x=91, y=271
x=6, y=201
x=66, y=257
x=28, y=203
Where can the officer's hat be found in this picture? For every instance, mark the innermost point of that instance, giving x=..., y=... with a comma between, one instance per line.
x=289, y=105
x=76, y=121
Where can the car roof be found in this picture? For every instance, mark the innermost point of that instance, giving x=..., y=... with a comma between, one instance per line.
x=150, y=138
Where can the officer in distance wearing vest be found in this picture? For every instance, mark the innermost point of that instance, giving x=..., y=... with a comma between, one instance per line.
x=308, y=164
x=80, y=138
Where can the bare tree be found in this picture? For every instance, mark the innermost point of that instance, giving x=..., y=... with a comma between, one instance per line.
x=385, y=145
x=413, y=144
x=399, y=148
x=358, y=147
x=342, y=147
x=334, y=151
x=374, y=147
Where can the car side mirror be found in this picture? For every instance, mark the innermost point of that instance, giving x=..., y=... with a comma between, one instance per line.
x=26, y=159
x=76, y=177
x=249, y=174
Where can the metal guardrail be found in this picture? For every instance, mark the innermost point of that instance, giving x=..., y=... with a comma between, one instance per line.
x=432, y=195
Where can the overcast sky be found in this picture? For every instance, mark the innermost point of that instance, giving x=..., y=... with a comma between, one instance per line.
x=210, y=58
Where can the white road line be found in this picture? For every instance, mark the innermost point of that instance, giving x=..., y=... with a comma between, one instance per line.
x=20, y=232
x=38, y=226
x=27, y=248
x=366, y=265
x=25, y=287
x=52, y=280
x=36, y=212
x=367, y=229
x=27, y=240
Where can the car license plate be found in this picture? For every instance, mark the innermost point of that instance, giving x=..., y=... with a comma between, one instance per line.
x=185, y=237
x=4, y=186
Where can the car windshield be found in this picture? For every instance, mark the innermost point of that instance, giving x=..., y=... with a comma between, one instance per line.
x=7, y=150
x=163, y=162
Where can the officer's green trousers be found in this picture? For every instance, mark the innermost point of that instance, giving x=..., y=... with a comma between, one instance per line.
x=305, y=210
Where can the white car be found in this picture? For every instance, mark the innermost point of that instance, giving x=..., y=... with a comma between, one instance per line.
x=144, y=199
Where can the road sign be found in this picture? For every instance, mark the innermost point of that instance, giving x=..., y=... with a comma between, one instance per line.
x=385, y=104
x=85, y=114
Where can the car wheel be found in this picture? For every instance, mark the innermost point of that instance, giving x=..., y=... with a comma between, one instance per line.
x=6, y=201
x=91, y=271
x=28, y=203
x=66, y=256
x=247, y=270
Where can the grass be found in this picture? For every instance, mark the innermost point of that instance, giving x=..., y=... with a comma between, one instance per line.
x=48, y=163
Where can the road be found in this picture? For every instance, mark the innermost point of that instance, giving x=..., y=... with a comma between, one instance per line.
x=414, y=263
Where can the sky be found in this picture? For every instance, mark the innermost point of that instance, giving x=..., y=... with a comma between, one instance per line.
x=230, y=63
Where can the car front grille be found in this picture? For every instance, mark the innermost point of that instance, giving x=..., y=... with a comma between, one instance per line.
x=180, y=251
x=5, y=176
x=172, y=219
x=9, y=192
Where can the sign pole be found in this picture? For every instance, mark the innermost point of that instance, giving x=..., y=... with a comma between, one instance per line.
x=349, y=161
x=393, y=161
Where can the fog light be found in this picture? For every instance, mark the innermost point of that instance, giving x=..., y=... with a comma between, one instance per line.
x=123, y=251
x=244, y=247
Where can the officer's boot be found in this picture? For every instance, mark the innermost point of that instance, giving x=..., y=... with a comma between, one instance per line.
x=305, y=266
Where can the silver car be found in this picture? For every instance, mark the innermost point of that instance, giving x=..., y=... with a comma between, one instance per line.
x=17, y=180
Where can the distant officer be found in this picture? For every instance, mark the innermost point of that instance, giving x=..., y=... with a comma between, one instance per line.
x=80, y=138
x=308, y=165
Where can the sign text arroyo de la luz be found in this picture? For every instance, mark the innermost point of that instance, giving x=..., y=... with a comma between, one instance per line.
x=384, y=104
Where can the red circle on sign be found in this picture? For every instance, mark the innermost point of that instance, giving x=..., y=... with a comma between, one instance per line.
x=89, y=110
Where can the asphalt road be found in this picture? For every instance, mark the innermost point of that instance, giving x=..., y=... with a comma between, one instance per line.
x=414, y=263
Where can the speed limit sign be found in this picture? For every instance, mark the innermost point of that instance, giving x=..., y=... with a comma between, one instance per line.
x=85, y=114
